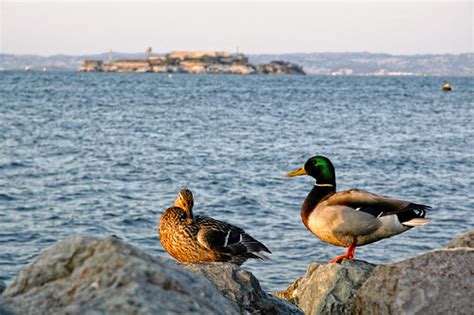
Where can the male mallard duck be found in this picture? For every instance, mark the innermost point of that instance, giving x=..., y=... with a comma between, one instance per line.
x=194, y=238
x=352, y=217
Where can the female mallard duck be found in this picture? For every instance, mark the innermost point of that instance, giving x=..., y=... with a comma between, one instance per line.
x=194, y=238
x=352, y=217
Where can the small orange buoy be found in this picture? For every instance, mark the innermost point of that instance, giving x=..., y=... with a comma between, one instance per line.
x=447, y=87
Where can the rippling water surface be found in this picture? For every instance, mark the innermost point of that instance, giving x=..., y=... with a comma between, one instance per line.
x=105, y=154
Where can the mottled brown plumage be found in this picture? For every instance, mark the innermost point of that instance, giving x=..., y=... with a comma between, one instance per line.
x=193, y=238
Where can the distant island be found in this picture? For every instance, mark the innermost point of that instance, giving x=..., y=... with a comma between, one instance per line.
x=194, y=62
x=325, y=64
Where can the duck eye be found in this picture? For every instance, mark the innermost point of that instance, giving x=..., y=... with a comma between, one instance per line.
x=315, y=164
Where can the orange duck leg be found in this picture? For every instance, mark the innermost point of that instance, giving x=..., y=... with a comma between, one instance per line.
x=348, y=255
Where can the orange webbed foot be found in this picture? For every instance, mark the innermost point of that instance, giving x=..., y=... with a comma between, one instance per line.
x=338, y=259
x=348, y=255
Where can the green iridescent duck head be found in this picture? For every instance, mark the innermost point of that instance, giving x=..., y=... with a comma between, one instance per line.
x=318, y=167
x=184, y=200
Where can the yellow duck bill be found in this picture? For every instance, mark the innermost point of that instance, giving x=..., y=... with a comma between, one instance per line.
x=298, y=172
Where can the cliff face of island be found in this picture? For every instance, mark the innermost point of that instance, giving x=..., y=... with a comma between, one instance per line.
x=192, y=62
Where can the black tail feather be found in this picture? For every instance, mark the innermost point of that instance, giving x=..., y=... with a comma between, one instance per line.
x=253, y=245
x=412, y=211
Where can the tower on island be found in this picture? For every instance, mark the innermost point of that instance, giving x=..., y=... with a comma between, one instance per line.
x=148, y=53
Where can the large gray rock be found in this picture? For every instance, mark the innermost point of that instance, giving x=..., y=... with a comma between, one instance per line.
x=243, y=288
x=438, y=282
x=328, y=288
x=463, y=240
x=91, y=276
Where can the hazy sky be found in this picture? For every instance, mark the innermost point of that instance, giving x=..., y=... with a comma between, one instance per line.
x=81, y=27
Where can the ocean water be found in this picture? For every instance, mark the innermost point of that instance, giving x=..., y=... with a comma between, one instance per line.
x=104, y=154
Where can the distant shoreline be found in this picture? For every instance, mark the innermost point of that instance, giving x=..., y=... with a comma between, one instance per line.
x=326, y=64
x=184, y=74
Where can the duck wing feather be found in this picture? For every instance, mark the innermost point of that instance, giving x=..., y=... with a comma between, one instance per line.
x=228, y=239
x=376, y=205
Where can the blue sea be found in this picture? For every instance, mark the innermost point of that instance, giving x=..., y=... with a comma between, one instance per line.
x=104, y=154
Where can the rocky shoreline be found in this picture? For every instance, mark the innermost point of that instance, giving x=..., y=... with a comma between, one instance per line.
x=192, y=62
x=83, y=275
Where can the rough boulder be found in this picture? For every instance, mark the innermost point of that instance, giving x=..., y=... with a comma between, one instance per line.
x=437, y=282
x=328, y=288
x=106, y=276
x=243, y=288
